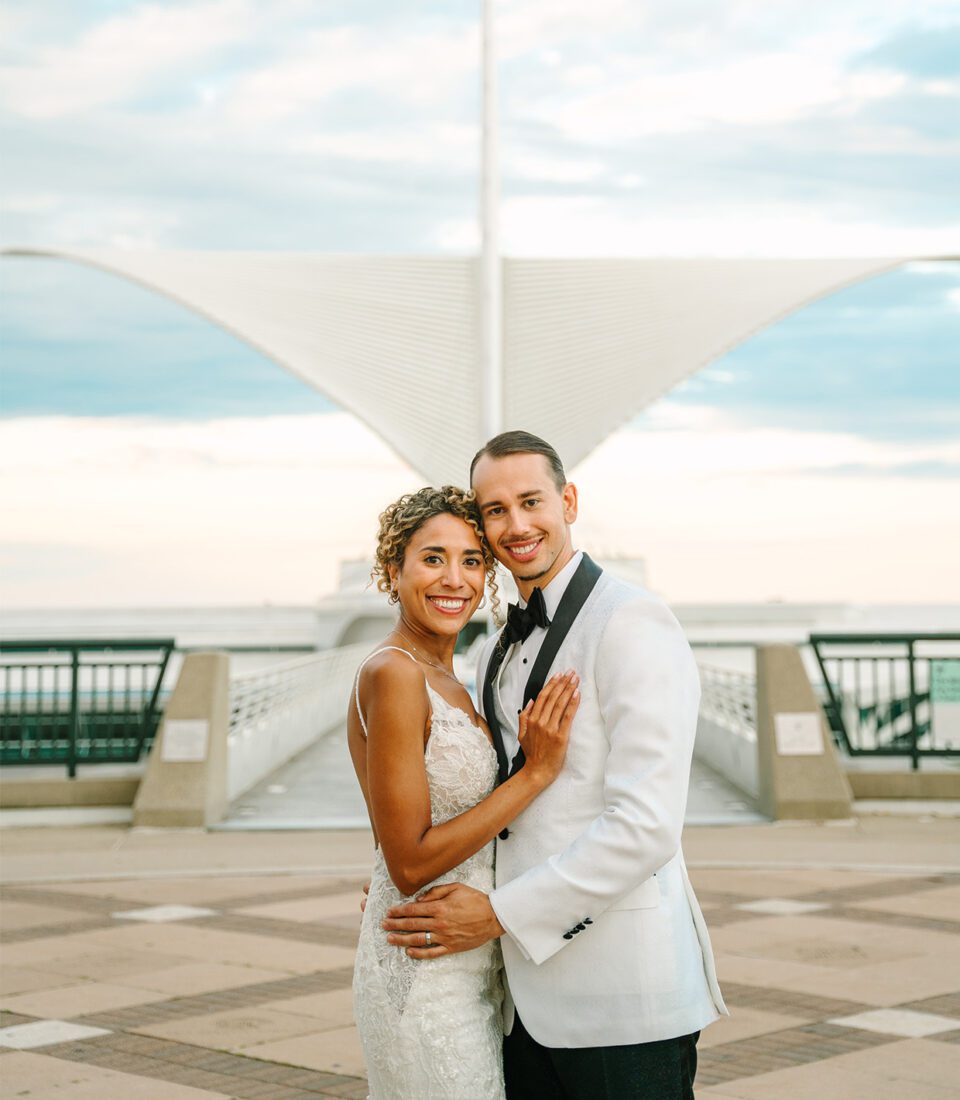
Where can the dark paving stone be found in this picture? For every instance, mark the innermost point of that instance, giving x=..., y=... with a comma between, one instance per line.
x=886, y=888
x=898, y=920
x=781, y=1050
x=300, y=931
x=788, y=1002
x=236, y=1075
x=51, y=931
x=202, y=1004
x=946, y=1004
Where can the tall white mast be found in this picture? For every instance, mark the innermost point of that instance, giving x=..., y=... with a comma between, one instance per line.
x=491, y=322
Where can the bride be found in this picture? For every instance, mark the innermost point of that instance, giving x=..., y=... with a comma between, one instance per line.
x=431, y=1028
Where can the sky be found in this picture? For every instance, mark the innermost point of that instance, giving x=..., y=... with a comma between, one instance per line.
x=151, y=459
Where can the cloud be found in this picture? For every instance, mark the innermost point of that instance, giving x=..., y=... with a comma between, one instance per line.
x=775, y=88
x=113, y=60
x=725, y=514
x=420, y=68
x=593, y=225
x=137, y=512
x=738, y=128
x=919, y=51
x=702, y=438
x=147, y=511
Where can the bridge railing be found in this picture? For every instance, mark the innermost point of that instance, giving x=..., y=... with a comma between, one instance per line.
x=80, y=701
x=277, y=711
x=729, y=697
x=727, y=724
x=892, y=694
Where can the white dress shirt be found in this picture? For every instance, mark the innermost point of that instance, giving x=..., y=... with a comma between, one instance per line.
x=522, y=656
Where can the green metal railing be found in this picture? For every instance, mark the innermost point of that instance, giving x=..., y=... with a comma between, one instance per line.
x=892, y=694
x=80, y=702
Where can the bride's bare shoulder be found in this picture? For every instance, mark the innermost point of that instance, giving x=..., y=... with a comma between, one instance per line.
x=390, y=669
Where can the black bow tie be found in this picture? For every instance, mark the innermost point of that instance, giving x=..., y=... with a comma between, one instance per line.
x=522, y=620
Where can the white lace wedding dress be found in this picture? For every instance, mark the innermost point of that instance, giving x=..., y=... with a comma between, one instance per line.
x=431, y=1028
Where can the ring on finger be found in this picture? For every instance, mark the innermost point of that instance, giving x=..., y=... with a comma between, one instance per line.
x=429, y=938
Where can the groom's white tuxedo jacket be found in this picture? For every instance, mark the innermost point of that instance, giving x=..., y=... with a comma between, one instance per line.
x=605, y=943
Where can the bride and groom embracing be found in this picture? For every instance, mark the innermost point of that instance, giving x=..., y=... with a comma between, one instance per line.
x=530, y=930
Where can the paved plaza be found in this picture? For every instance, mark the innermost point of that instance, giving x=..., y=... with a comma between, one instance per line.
x=163, y=964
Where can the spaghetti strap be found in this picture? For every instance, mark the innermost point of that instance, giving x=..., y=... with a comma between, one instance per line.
x=356, y=683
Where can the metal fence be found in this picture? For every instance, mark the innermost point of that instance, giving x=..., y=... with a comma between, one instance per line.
x=78, y=702
x=892, y=694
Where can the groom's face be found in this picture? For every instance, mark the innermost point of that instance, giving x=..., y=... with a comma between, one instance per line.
x=526, y=518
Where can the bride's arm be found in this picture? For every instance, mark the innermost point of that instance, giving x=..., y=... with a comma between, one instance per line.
x=397, y=711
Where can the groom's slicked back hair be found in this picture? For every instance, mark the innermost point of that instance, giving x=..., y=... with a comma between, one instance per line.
x=519, y=443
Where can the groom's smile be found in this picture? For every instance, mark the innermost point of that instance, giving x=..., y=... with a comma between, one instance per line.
x=523, y=551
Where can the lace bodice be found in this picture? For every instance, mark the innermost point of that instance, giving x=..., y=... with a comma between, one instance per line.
x=431, y=1028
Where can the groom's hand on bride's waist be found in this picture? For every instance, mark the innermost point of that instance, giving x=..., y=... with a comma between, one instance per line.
x=443, y=921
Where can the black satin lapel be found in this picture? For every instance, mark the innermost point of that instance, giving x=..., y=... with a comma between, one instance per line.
x=490, y=710
x=580, y=586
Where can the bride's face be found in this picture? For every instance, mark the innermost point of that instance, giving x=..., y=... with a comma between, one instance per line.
x=442, y=578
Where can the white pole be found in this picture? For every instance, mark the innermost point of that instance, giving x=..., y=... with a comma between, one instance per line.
x=491, y=326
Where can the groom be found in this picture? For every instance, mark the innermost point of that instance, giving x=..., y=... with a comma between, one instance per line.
x=609, y=968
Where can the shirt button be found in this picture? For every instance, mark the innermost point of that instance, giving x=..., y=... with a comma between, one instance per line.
x=519, y=710
x=524, y=660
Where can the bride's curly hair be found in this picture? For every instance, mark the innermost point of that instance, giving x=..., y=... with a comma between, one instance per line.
x=401, y=519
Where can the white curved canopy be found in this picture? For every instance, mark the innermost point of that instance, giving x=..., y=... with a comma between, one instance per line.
x=586, y=343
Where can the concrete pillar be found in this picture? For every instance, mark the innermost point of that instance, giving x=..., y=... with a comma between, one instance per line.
x=799, y=773
x=185, y=783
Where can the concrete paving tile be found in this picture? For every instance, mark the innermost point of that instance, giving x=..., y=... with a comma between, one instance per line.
x=327, y=1010
x=915, y=1060
x=218, y=945
x=828, y=1081
x=233, y=1030
x=942, y=903
x=309, y=909
x=192, y=890
x=15, y=915
x=44, y=1033
x=37, y=954
x=775, y=883
x=162, y=914
x=823, y=1081
x=781, y=907
x=744, y=1023
x=41, y=1077
x=829, y=942
x=17, y=979
x=763, y=973
x=106, y=965
x=335, y=1051
x=904, y=1022
x=198, y=977
x=68, y=1001
x=881, y=985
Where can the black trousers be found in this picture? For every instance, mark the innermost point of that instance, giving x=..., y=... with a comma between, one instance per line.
x=663, y=1070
